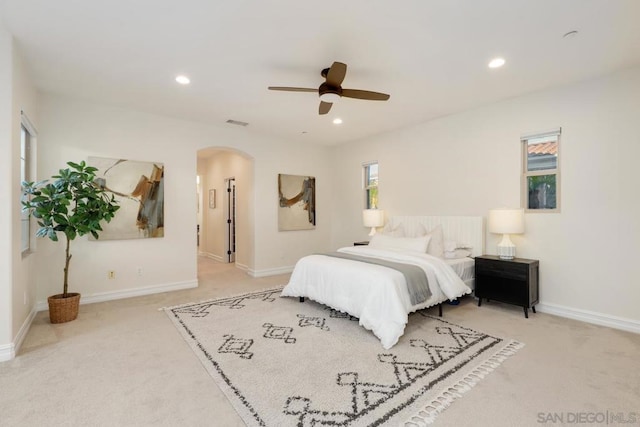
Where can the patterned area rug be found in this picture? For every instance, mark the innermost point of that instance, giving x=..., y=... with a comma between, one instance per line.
x=285, y=363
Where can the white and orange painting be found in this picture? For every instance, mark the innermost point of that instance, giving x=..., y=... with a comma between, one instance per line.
x=297, y=202
x=139, y=189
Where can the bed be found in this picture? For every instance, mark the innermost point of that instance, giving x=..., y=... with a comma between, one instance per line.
x=378, y=295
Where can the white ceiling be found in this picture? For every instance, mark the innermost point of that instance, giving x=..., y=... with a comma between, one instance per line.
x=430, y=55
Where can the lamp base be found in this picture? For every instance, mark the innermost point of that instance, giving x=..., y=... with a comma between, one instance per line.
x=506, y=248
x=507, y=255
x=373, y=231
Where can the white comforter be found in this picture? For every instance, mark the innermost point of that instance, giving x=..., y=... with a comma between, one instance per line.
x=375, y=294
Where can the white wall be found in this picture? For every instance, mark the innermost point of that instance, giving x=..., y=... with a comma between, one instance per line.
x=277, y=249
x=73, y=130
x=24, y=283
x=6, y=181
x=17, y=280
x=467, y=163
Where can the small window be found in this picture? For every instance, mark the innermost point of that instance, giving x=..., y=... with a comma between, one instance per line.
x=27, y=141
x=541, y=171
x=371, y=185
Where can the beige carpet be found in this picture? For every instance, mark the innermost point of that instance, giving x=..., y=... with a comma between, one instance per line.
x=285, y=363
x=122, y=363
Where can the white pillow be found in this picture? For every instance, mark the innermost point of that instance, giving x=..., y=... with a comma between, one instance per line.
x=415, y=244
x=457, y=253
x=398, y=231
x=452, y=245
x=436, y=245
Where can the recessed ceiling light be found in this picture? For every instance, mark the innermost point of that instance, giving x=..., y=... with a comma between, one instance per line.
x=337, y=121
x=496, y=63
x=183, y=80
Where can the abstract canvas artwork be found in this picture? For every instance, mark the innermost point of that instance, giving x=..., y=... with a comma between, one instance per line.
x=139, y=188
x=296, y=202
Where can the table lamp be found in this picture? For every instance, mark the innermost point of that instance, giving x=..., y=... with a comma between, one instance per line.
x=373, y=218
x=506, y=222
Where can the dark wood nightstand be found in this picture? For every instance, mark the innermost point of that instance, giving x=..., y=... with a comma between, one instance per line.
x=363, y=243
x=514, y=281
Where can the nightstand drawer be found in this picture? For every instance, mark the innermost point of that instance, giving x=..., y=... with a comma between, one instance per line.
x=502, y=289
x=509, y=270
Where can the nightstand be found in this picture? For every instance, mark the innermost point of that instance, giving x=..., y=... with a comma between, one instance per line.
x=514, y=281
x=362, y=243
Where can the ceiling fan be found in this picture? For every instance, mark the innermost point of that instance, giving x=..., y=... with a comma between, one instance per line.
x=331, y=90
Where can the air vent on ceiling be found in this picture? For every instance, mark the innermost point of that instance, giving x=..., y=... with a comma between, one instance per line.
x=237, y=122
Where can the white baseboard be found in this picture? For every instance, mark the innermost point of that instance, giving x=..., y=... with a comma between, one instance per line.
x=270, y=271
x=590, y=317
x=242, y=267
x=129, y=293
x=9, y=351
x=263, y=273
x=22, y=333
x=212, y=256
x=249, y=271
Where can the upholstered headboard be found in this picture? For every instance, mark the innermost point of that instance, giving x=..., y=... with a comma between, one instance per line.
x=462, y=229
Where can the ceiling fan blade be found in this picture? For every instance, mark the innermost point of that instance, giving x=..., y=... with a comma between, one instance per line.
x=324, y=107
x=336, y=74
x=293, y=89
x=364, y=94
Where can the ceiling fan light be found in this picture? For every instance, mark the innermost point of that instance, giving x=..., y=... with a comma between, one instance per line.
x=329, y=97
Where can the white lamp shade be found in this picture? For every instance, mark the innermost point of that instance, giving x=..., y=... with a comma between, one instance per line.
x=373, y=218
x=506, y=221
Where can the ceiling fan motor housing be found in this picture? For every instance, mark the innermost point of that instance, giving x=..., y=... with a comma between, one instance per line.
x=329, y=93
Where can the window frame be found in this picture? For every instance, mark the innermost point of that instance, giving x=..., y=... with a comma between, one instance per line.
x=27, y=168
x=524, y=183
x=368, y=187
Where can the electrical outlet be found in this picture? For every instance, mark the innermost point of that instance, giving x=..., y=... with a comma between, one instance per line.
x=111, y=274
x=139, y=271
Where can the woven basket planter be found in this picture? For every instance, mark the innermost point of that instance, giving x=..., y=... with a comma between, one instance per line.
x=63, y=309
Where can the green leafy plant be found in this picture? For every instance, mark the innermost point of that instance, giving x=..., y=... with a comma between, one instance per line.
x=73, y=204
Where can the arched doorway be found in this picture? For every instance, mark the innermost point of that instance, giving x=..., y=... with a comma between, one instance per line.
x=225, y=205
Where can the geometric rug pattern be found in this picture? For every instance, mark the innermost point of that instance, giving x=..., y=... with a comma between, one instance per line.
x=285, y=363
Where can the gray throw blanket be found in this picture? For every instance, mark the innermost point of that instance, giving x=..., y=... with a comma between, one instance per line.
x=416, y=278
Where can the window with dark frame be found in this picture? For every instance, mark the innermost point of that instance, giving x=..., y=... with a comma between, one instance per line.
x=541, y=171
x=371, y=185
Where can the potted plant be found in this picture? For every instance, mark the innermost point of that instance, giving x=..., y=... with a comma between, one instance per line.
x=73, y=204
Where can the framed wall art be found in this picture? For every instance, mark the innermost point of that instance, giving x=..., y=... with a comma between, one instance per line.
x=212, y=198
x=139, y=188
x=296, y=202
